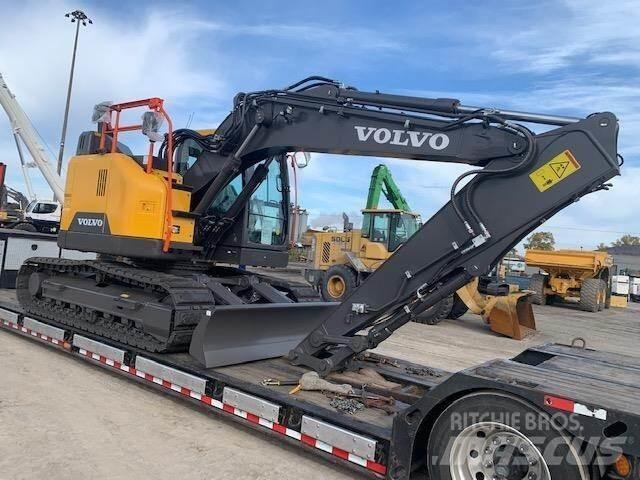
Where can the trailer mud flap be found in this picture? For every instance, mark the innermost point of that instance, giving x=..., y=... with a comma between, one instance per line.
x=244, y=333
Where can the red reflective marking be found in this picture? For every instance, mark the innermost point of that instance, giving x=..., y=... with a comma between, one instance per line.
x=559, y=403
x=166, y=384
x=228, y=408
x=308, y=440
x=253, y=418
x=148, y=377
x=185, y=391
x=340, y=453
x=280, y=428
x=376, y=467
x=206, y=399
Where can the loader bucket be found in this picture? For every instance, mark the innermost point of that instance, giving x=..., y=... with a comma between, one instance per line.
x=244, y=333
x=512, y=316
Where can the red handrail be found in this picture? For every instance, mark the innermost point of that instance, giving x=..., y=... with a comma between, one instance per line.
x=157, y=105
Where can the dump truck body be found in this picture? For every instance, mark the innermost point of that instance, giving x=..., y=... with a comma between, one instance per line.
x=572, y=273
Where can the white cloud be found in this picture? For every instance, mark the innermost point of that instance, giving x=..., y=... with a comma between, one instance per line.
x=117, y=60
x=550, y=37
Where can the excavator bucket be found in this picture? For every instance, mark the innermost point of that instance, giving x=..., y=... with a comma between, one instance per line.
x=244, y=333
x=511, y=315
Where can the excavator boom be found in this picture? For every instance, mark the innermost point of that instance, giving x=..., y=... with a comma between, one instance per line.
x=522, y=179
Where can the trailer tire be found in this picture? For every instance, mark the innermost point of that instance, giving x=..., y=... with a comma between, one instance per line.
x=591, y=294
x=477, y=435
x=435, y=314
x=538, y=284
x=337, y=283
x=25, y=227
x=459, y=308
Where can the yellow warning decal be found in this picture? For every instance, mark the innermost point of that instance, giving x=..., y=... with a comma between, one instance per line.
x=555, y=170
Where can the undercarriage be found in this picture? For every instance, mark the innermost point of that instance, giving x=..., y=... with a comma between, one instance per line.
x=154, y=310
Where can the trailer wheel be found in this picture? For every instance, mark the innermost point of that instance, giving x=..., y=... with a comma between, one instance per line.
x=459, y=308
x=487, y=435
x=592, y=294
x=337, y=283
x=25, y=227
x=437, y=313
x=537, y=285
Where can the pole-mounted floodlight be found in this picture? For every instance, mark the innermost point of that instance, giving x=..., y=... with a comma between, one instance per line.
x=78, y=17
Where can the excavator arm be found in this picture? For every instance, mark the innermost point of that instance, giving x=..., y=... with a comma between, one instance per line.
x=520, y=180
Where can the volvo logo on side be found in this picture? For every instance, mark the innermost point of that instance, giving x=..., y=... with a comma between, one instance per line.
x=403, y=138
x=90, y=222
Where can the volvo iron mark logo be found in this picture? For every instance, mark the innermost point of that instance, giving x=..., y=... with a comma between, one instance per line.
x=88, y=222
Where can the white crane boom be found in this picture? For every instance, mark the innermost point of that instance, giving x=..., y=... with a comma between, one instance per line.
x=25, y=168
x=22, y=127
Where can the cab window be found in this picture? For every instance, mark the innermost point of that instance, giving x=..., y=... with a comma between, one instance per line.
x=403, y=226
x=267, y=209
x=44, y=208
x=187, y=155
x=223, y=201
x=366, y=225
x=380, y=230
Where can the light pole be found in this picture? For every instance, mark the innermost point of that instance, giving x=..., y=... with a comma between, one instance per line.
x=78, y=17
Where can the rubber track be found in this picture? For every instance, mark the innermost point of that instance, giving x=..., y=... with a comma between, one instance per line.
x=185, y=294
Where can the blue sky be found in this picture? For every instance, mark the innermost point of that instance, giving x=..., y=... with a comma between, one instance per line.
x=569, y=58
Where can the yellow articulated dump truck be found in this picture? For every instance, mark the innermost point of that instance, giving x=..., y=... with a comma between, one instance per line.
x=571, y=273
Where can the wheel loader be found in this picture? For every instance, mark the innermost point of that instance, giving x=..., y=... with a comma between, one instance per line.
x=343, y=260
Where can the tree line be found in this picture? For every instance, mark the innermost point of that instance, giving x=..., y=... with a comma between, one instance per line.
x=545, y=241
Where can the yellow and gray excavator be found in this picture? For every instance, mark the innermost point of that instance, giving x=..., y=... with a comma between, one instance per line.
x=169, y=225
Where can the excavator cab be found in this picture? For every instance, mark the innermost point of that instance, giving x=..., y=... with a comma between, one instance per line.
x=142, y=206
x=390, y=228
x=258, y=233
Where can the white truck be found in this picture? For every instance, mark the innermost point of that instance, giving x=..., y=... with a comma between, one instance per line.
x=41, y=216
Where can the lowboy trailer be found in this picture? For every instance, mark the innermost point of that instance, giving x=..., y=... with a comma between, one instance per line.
x=592, y=398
